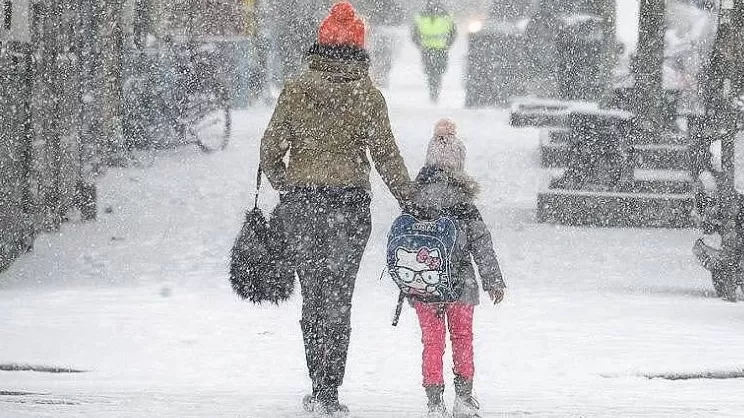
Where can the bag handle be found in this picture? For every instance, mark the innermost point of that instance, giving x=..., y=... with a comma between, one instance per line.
x=259, y=176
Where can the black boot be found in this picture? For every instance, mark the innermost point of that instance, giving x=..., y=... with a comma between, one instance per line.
x=336, y=352
x=313, y=358
x=466, y=405
x=463, y=386
x=332, y=369
x=435, y=401
x=328, y=403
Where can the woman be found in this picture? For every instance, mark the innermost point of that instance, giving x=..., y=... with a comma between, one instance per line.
x=315, y=153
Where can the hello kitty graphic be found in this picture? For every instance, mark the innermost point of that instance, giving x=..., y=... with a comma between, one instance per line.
x=421, y=271
x=419, y=256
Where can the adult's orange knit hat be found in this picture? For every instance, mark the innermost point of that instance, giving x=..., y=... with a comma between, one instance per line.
x=342, y=27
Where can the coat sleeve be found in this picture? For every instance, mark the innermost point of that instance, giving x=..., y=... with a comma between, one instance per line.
x=275, y=144
x=452, y=35
x=385, y=153
x=481, y=248
x=415, y=35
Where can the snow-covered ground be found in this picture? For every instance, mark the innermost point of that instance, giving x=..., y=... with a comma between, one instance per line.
x=140, y=299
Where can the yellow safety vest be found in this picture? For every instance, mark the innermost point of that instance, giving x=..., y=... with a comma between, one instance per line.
x=434, y=31
x=251, y=25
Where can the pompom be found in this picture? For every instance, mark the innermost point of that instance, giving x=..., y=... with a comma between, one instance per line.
x=445, y=127
x=343, y=12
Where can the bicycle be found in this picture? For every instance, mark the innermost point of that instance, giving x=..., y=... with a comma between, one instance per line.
x=204, y=116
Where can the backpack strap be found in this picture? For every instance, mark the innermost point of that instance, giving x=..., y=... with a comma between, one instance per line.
x=398, y=308
x=258, y=185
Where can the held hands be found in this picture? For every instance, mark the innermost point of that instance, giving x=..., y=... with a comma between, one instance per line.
x=496, y=294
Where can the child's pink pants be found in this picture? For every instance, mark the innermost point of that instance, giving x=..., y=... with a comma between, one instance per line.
x=460, y=319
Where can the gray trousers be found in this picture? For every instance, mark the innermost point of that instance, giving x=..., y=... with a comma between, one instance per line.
x=327, y=231
x=435, y=62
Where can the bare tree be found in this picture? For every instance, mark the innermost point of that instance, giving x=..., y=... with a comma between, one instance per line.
x=724, y=87
x=648, y=66
x=608, y=12
x=111, y=40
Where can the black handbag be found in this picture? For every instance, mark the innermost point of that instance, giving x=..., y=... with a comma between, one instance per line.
x=259, y=269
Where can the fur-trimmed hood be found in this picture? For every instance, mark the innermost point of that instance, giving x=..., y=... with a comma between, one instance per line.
x=439, y=189
x=335, y=74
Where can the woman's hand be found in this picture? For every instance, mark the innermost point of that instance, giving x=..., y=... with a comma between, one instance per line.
x=496, y=294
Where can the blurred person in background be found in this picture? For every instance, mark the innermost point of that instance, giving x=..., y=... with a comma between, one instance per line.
x=382, y=16
x=434, y=31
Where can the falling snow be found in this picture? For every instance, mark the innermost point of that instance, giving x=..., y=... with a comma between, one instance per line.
x=602, y=135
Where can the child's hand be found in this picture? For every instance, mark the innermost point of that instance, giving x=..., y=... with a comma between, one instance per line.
x=496, y=294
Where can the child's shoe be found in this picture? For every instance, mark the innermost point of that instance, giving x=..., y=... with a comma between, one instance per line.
x=437, y=411
x=435, y=405
x=466, y=406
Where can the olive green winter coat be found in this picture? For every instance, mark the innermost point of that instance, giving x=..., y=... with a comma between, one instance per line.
x=325, y=123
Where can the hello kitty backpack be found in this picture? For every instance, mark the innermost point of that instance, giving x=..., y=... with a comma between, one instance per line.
x=419, y=258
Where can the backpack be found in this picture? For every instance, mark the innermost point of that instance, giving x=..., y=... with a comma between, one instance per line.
x=419, y=258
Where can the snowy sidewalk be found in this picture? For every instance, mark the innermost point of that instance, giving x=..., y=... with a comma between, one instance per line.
x=140, y=299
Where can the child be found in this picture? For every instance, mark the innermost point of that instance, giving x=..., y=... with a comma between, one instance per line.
x=445, y=189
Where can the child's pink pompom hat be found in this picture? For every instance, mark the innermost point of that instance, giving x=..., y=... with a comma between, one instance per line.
x=445, y=149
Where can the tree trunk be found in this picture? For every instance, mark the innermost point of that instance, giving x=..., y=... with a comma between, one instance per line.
x=45, y=142
x=727, y=73
x=723, y=87
x=648, y=67
x=112, y=44
x=90, y=119
x=609, y=20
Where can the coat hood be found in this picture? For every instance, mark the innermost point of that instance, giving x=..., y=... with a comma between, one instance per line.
x=335, y=74
x=439, y=189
